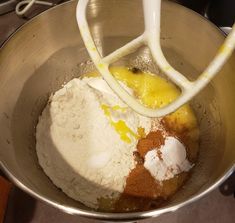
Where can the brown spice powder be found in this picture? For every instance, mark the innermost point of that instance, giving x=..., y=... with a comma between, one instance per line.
x=152, y=140
x=142, y=191
x=136, y=187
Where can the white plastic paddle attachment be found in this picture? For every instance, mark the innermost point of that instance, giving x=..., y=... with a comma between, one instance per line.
x=151, y=38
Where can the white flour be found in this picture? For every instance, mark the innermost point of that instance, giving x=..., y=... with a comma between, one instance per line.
x=173, y=160
x=79, y=149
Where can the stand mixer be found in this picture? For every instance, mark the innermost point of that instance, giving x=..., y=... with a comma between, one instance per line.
x=151, y=38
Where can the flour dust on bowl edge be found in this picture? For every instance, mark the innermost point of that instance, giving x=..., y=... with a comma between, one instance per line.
x=48, y=52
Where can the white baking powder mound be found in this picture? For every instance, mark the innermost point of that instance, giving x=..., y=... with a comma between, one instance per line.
x=172, y=161
x=85, y=140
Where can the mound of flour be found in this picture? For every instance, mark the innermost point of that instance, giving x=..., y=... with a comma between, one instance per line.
x=78, y=148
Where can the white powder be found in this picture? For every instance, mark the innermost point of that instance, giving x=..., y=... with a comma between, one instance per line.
x=173, y=160
x=78, y=148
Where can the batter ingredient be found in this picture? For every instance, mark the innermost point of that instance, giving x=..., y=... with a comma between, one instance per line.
x=168, y=160
x=103, y=154
x=77, y=146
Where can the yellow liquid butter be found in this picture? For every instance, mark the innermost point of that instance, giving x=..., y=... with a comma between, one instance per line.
x=154, y=92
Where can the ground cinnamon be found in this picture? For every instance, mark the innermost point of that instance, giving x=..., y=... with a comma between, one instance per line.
x=153, y=140
x=142, y=191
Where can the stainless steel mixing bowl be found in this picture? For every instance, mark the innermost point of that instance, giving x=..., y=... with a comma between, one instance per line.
x=48, y=51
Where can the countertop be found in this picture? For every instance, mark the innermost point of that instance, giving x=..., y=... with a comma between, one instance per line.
x=213, y=208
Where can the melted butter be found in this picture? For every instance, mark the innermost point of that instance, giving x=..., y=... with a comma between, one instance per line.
x=141, y=132
x=123, y=130
x=120, y=126
x=156, y=92
x=152, y=90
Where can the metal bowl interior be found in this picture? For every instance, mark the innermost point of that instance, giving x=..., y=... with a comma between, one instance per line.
x=48, y=51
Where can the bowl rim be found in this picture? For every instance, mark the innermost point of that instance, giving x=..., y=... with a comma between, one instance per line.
x=115, y=216
x=108, y=215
